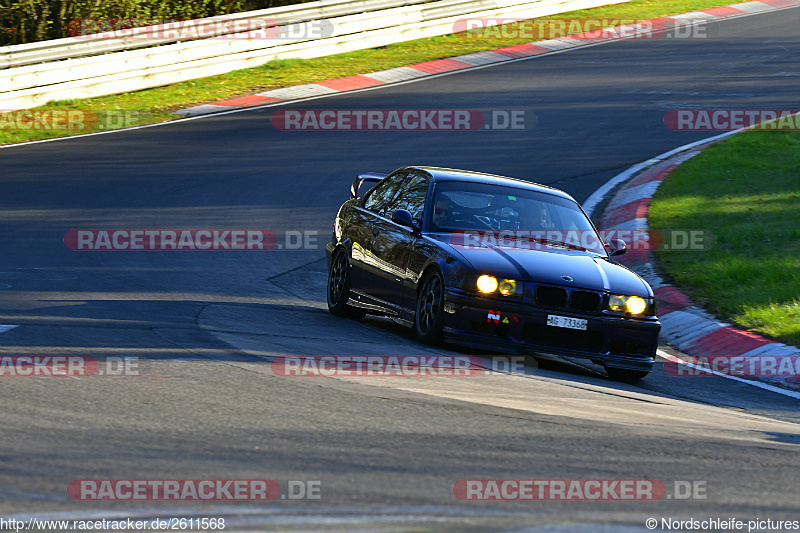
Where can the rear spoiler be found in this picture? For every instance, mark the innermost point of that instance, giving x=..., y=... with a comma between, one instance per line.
x=364, y=182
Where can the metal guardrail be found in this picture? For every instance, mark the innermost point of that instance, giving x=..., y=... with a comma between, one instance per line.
x=73, y=68
x=102, y=43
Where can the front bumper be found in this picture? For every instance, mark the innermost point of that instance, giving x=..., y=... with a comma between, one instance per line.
x=610, y=340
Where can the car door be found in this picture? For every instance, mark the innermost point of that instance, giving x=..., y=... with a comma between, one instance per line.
x=392, y=243
x=370, y=215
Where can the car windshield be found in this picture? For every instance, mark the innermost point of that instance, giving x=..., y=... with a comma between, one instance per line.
x=510, y=216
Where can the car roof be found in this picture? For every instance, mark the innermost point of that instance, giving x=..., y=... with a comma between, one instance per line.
x=450, y=174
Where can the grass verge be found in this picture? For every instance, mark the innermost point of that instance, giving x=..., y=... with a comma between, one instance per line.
x=745, y=191
x=154, y=105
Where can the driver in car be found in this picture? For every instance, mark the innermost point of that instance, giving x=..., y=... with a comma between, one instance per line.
x=540, y=219
x=443, y=212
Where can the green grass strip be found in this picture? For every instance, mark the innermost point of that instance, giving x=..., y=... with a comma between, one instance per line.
x=745, y=191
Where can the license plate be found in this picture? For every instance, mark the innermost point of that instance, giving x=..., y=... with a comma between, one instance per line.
x=566, y=322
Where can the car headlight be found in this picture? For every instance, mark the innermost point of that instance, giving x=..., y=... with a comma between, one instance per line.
x=507, y=287
x=635, y=305
x=487, y=284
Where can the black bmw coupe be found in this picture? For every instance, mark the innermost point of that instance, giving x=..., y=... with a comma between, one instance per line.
x=491, y=262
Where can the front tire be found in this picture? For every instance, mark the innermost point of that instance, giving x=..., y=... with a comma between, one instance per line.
x=339, y=285
x=429, y=318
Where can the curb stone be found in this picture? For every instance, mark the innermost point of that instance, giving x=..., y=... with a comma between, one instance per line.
x=685, y=325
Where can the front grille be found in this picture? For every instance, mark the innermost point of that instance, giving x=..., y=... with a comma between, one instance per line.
x=555, y=297
x=584, y=301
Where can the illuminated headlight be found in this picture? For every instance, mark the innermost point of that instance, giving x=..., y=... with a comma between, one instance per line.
x=487, y=284
x=507, y=287
x=634, y=305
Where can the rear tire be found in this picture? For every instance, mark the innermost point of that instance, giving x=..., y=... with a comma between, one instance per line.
x=429, y=318
x=339, y=285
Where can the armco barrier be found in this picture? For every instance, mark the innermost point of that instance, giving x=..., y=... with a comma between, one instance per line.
x=103, y=43
x=75, y=68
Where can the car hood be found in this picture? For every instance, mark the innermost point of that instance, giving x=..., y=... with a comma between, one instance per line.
x=548, y=266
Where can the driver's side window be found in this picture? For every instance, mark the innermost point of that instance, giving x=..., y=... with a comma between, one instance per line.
x=412, y=197
x=383, y=193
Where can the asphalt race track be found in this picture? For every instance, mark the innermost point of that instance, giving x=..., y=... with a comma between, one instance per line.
x=202, y=326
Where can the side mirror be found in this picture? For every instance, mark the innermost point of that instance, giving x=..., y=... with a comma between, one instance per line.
x=404, y=218
x=364, y=182
x=616, y=247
